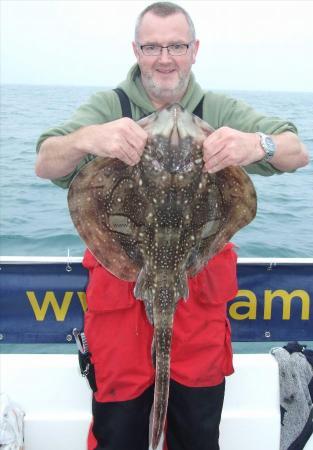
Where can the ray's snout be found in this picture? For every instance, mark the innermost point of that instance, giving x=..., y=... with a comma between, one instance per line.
x=173, y=149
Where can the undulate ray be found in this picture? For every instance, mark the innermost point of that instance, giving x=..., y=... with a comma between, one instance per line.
x=160, y=221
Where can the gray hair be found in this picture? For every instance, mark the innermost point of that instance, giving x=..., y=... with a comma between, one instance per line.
x=164, y=9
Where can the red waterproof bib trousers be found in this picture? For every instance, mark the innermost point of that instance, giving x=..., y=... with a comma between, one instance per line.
x=119, y=335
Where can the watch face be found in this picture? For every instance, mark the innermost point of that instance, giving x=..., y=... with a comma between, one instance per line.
x=270, y=144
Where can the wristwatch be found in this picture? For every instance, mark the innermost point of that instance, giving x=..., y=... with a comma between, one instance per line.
x=268, y=146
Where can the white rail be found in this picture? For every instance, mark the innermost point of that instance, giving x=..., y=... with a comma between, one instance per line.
x=78, y=259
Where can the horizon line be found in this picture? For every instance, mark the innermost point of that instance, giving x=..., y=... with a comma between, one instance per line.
x=263, y=89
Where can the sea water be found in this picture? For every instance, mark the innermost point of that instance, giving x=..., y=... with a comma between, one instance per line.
x=34, y=218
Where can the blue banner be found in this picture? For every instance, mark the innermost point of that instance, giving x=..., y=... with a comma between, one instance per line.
x=274, y=303
x=42, y=303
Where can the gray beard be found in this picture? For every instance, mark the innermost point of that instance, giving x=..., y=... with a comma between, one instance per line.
x=168, y=95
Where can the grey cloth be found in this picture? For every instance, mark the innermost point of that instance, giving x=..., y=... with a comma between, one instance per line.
x=11, y=424
x=295, y=375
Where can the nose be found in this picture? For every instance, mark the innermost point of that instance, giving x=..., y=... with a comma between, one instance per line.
x=164, y=56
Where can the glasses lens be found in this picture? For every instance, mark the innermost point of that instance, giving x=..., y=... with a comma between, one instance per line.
x=178, y=49
x=151, y=50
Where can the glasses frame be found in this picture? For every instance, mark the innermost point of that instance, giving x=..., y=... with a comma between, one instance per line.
x=160, y=47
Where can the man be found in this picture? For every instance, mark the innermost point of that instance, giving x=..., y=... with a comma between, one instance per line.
x=116, y=327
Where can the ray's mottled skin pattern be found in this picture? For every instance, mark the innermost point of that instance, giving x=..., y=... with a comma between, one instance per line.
x=160, y=221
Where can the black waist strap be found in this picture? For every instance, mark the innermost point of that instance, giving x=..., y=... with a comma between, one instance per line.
x=126, y=108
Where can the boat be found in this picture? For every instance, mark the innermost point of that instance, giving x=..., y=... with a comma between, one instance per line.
x=42, y=299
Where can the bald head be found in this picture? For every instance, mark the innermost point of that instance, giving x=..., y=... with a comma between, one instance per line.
x=164, y=9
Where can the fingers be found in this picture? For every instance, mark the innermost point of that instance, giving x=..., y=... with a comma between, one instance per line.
x=214, y=152
x=136, y=139
x=216, y=163
x=123, y=139
x=129, y=141
x=227, y=147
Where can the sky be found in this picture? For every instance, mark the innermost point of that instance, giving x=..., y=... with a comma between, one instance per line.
x=246, y=44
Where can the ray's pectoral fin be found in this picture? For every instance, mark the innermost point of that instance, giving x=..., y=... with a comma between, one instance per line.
x=121, y=224
x=99, y=206
x=211, y=228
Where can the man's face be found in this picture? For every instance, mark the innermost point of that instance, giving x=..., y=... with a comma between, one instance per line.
x=165, y=77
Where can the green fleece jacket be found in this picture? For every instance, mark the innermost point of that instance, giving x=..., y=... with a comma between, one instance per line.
x=218, y=110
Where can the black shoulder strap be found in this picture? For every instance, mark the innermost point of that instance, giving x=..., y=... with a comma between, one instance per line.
x=125, y=103
x=198, y=111
x=126, y=108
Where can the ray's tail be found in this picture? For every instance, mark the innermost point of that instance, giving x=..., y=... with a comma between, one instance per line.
x=162, y=340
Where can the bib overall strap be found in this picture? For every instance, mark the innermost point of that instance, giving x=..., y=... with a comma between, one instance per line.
x=125, y=103
x=126, y=108
x=198, y=111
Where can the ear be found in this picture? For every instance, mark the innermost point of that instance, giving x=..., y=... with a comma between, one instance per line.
x=195, y=50
x=136, y=51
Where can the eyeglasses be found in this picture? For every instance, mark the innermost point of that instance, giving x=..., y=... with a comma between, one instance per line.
x=173, y=49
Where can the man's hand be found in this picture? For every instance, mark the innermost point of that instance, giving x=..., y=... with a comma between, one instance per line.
x=123, y=139
x=228, y=147
x=59, y=155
